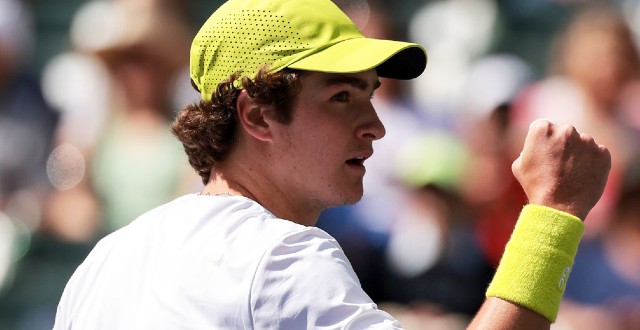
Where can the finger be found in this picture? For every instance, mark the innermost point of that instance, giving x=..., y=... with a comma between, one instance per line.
x=542, y=122
x=539, y=130
x=569, y=132
x=541, y=126
x=587, y=138
x=605, y=151
x=603, y=148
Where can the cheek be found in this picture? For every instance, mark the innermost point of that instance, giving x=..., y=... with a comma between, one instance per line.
x=315, y=161
x=312, y=151
x=317, y=139
x=301, y=151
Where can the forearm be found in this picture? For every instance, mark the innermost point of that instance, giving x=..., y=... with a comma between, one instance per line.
x=498, y=314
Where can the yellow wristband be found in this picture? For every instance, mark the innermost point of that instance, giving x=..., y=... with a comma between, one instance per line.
x=537, y=260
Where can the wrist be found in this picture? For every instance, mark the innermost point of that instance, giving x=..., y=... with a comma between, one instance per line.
x=537, y=261
x=570, y=208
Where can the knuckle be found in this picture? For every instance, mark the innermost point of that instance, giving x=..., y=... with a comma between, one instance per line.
x=567, y=130
x=587, y=139
x=541, y=123
x=542, y=126
x=605, y=151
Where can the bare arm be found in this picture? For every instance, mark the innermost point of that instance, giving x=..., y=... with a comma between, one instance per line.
x=497, y=314
x=561, y=169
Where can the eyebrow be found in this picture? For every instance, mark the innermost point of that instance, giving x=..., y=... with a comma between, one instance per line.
x=350, y=80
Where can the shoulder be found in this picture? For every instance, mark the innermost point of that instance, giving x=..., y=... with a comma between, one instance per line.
x=300, y=242
x=305, y=281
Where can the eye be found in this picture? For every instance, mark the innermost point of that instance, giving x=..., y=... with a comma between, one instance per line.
x=341, y=97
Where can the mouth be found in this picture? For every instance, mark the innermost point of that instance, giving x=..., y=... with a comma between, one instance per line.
x=358, y=161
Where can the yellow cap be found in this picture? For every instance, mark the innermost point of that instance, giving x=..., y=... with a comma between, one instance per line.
x=312, y=35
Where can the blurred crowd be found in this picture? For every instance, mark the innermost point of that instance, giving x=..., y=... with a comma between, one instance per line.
x=88, y=90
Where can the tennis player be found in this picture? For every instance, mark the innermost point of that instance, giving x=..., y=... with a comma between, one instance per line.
x=283, y=132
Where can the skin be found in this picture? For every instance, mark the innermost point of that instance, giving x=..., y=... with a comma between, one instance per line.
x=298, y=170
x=562, y=169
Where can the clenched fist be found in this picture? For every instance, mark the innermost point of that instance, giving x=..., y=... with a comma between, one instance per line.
x=561, y=168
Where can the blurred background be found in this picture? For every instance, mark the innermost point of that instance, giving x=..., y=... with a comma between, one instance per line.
x=88, y=90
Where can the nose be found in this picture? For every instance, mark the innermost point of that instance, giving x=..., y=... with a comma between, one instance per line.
x=372, y=128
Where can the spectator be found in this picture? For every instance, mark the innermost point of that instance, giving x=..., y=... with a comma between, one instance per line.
x=589, y=98
x=139, y=44
x=604, y=291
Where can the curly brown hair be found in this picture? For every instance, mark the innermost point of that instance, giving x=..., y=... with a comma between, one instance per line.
x=207, y=129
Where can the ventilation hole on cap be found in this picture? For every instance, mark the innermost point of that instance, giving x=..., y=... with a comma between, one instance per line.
x=238, y=36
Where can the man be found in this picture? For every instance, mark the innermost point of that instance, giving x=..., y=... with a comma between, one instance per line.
x=282, y=132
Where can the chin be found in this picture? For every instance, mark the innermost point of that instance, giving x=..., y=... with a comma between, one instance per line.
x=337, y=200
x=350, y=201
x=340, y=195
x=350, y=197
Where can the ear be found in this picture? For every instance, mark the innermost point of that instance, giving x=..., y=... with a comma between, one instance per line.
x=253, y=117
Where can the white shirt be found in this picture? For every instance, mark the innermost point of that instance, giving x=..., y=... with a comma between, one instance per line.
x=206, y=262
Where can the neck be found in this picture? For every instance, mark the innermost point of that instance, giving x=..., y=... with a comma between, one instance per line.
x=237, y=179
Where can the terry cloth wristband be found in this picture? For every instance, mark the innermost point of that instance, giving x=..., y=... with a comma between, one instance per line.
x=537, y=260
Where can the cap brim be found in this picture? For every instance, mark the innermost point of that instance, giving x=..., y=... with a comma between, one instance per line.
x=391, y=59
